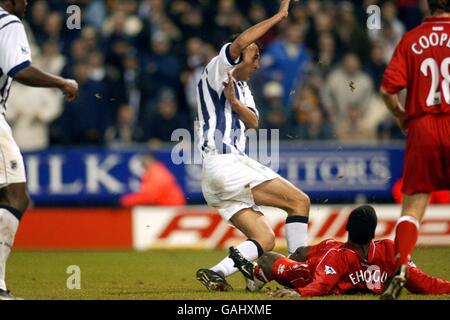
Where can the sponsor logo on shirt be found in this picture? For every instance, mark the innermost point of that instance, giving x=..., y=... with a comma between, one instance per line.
x=281, y=268
x=329, y=270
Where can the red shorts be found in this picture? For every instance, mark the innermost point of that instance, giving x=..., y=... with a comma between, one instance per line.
x=427, y=157
x=290, y=273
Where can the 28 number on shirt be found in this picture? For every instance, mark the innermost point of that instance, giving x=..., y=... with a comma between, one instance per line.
x=434, y=96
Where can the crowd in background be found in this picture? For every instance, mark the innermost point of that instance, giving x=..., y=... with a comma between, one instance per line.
x=138, y=63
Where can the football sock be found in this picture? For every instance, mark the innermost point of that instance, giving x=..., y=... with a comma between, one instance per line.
x=296, y=232
x=9, y=223
x=249, y=249
x=406, y=234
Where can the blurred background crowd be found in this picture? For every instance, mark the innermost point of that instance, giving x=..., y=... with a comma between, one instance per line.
x=138, y=63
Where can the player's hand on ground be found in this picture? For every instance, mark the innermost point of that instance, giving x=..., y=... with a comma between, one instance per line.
x=230, y=89
x=284, y=8
x=283, y=293
x=70, y=90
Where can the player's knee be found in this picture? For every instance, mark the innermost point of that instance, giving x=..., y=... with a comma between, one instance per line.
x=267, y=241
x=19, y=201
x=300, y=204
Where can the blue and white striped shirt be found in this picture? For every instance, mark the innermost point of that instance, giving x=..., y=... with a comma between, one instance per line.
x=15, y=53
x=220, y=130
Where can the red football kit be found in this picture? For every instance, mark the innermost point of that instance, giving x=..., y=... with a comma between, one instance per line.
x=421, y=64
x=335, y=267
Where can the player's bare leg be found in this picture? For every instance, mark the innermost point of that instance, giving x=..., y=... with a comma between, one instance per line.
x=406, y=235
x=261, y=238
x=13, y=202
x=282, y=194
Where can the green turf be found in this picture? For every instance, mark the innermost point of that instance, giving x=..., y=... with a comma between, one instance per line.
x=152, y=275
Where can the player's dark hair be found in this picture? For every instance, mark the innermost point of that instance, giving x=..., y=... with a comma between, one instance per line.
x=435, y=5
x=361, y=224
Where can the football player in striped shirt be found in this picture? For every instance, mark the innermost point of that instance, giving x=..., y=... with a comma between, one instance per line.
x=232, y=182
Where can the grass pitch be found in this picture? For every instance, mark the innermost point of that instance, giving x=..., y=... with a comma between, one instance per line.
x=165, y=275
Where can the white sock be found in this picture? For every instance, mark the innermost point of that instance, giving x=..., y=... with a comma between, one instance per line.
x=296, y=232
x=250, y=249
x=8, y=227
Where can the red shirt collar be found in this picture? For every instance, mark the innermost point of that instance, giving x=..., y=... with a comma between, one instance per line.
x=370, y=254
x=436, y=19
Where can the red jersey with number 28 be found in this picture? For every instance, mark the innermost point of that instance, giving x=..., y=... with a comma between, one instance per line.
x=334, y=267
x=421, y=64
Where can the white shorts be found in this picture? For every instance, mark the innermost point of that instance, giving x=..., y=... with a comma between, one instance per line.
x=12, y=168
x=228, y=180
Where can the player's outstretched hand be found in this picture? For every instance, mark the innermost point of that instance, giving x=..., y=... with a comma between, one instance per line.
x=70, y=90
x=284, y=8
x=283, y=293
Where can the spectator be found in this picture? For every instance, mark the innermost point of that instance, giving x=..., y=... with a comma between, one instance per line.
x=84, y=121
x=376, y=65
x=50, y=58
x=352, y=37
x=124, y=132
x=123, y=19
x=286, y=59
x=158, y=187
x=327, y=55
x=161, y=69
x=389, y=40
x=108, y=80
x=39, y=14
x=389, y=15
x=131, y=81
x=314, y=127
x=195, y=61
x=95, y=14
x=273, y=113
x=30, y=114
x=165, y=120
x=347, y=85
x=354, y=128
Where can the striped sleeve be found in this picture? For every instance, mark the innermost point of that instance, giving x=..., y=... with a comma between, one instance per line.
x=15, y=54
x=219, y=67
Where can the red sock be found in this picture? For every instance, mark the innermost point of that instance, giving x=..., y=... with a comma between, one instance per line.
x=406, y=235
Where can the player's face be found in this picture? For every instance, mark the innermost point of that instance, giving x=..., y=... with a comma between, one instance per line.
x=20, y=6
x=251, y=61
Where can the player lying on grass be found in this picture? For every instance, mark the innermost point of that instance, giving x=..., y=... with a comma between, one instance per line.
x=360, y=265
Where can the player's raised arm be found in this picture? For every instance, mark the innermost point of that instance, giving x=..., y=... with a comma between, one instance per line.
x=252, y=34
x=33, y=77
